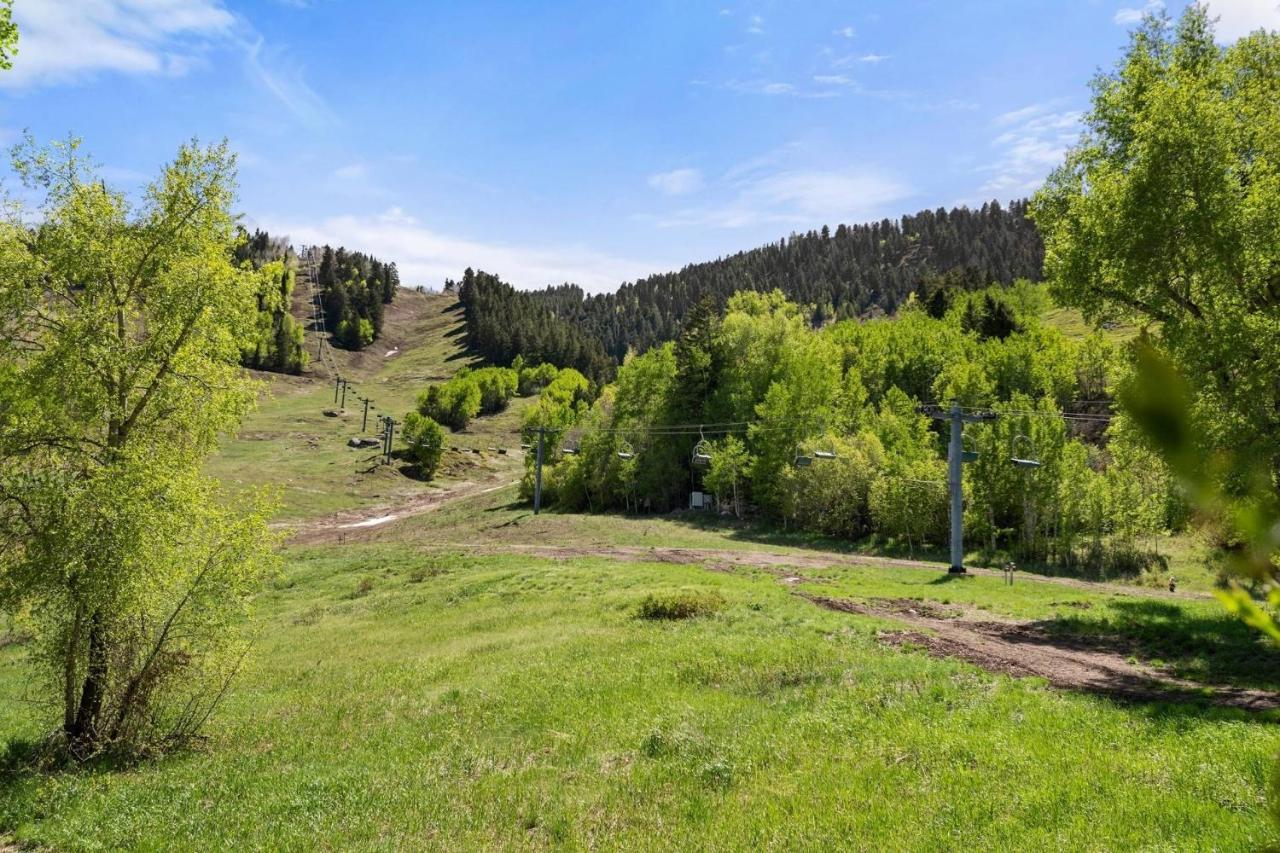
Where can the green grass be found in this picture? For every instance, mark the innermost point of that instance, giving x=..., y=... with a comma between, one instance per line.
x=289, y=441
x=502, y=701
x=431, y=683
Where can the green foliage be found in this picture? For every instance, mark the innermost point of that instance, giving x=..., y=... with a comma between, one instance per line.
x=120, y=371
x=354, y=287
x=8, y=35
x=504, y=323
x=453, y=403
x=774, y=392
x=1165, y=214
x=276, y=343
x=534, y=378
x=680, y=604
x=730, y=463
x=425, y=440
x=851, y=271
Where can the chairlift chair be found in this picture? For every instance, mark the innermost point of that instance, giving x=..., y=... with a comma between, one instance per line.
x=802, y=461
x=1031, y=460
x=702, y=453
x=967, y=455
x=625, y=451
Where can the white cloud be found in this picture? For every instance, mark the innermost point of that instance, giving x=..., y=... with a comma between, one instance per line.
x=873, y=58
x=845, y=32
x=833, y=80
x=1130, y=15
x=1033, y=141
x=66, y=40
x=1238, y=18
x=677, y=181
x=756, y=26
x=70, y=41
x=427, y=257
x=766, y=190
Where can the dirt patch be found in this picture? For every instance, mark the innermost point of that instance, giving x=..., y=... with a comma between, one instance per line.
x=1089, y=664
x=341, y=526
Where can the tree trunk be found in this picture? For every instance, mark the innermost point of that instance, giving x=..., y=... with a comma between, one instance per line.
x=84, y=728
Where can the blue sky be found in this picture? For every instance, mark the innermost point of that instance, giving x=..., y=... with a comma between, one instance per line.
x=584, y=141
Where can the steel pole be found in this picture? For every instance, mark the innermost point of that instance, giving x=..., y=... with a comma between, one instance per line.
x=954, y=468
x=537, y=476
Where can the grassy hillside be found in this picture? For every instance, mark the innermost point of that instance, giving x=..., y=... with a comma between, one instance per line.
x=410, y=693
x=475, y=676
x=291, y=443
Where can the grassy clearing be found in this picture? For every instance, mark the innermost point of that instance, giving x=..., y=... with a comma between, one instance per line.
x=427, y=684
x=403, y=699
x=290, y=443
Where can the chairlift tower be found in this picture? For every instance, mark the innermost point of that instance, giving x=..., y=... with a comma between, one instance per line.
x=956, y=457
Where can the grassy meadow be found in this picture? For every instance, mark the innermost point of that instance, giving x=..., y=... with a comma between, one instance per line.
x=445, y=682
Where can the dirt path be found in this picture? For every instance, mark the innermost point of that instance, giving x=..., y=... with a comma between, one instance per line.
x=335, y=527
x=1026, y=649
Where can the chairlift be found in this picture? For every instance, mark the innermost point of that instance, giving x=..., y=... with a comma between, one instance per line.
x=1031, y=460
x=625, y=451
x=802, y=461
x=967, y=455
x=829, y=448
x=569, y=450
x=702, y=453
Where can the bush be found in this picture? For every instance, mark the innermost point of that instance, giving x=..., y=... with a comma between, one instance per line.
x=426, y=443
x=453, y=404
x=680, y=604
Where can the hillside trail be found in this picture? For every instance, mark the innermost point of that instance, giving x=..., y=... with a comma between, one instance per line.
x=1099, y=665
x=338, y=526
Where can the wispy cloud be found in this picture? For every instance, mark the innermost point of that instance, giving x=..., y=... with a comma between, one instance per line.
x=1032, y=142
x=772, y=189
x=873, y=58
x=756, y=25
x=775, y=87
x=1238, y=18
x=285, y=80
x=1130, y=15
x=425, y=256
x=63, y=41
x=845, y=32
x=677, y=181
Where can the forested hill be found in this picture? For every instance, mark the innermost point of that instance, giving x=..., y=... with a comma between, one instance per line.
x=855, y=271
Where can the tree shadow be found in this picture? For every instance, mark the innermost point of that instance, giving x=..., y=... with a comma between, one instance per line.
x=1207, y=649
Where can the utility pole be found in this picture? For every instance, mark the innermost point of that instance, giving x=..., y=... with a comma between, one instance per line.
x=340, y=384
x=364, y=422
x=956, y=457
x=537, y=475
x=389, y=439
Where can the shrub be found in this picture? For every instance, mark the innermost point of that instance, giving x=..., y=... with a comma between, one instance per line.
x=425, y=439
x=680, y=604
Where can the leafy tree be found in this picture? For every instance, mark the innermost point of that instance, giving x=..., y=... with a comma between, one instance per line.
x=425, y=439
x=120, y=331
x=729, y=466
x=1166, y=212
